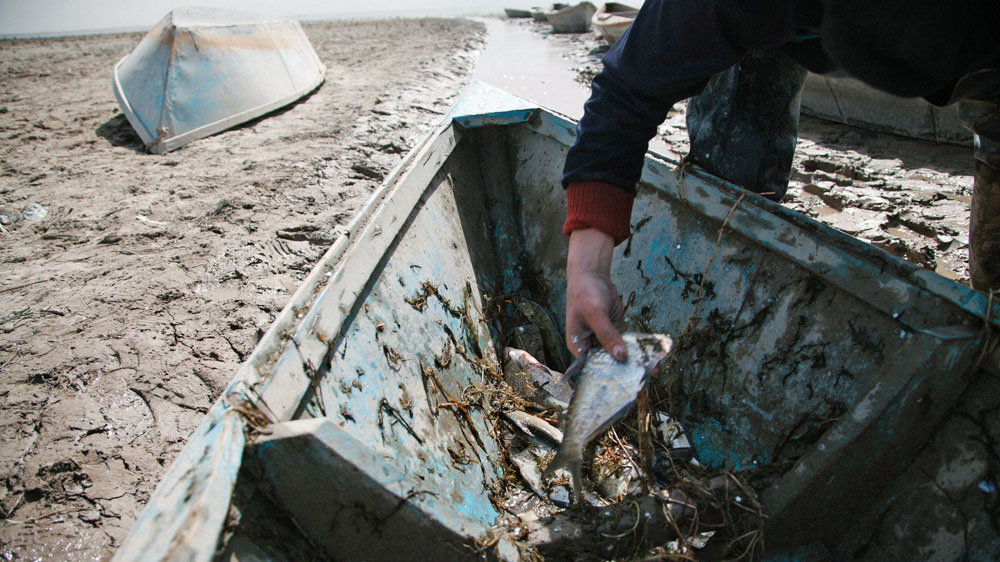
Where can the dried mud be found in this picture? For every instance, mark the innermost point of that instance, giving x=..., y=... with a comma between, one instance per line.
x=129, y=306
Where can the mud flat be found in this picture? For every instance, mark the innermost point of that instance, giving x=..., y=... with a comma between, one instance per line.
x=130, y=304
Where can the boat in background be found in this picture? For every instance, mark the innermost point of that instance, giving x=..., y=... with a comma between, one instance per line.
x=843, y=99
x=572, y=19
x=540, y=14
x=612, y=19
x=200, y=71
x=515, y=13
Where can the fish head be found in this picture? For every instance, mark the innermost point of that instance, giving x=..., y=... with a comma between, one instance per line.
x=521, y=358
x=512, y=355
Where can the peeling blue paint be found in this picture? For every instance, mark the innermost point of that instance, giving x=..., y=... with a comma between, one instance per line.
x=706, y=437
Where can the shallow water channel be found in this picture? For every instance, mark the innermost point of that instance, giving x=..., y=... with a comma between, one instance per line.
x=521, y=61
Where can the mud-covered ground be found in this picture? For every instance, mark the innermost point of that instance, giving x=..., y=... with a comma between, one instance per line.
x=130, y=304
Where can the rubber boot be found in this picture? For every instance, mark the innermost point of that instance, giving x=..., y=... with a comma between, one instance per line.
x=983, y=119
x=984, y=229
x=743, y=126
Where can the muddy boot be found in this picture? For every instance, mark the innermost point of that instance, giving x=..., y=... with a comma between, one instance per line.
x=983, y=119
x=984, y=229
x=744, y=124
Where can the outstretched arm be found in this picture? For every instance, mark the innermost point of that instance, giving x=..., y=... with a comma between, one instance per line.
x=669, y=53
x=592, y=301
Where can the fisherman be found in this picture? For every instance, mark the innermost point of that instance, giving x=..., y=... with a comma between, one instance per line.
x=745, y=62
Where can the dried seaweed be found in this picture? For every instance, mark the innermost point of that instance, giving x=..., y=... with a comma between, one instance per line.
x=669, y=508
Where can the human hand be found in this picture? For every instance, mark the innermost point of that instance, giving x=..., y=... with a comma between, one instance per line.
x=593, y=307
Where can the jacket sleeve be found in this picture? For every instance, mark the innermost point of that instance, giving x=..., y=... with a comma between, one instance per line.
x=668, y=54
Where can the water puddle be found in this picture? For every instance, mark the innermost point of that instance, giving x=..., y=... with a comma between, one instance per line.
x=521, y=61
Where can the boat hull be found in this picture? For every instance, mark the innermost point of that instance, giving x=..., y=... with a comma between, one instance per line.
x=351, y=410
x=845, y=100
x=612, y=20
x=201, y=71
x=516, y=13
x=572, y=19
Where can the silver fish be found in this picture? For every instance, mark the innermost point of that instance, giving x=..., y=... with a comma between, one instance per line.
x=605, y=390
x=526, y=422
x=533, y=381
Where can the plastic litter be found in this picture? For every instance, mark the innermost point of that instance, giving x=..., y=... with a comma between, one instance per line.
x=34, y=212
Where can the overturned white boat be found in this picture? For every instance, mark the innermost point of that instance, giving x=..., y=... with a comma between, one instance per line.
x=842, y=99
x=200, y=71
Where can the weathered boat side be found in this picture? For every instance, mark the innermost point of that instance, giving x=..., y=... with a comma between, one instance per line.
x=845, y=100
x=270, y=386
x=572, y=19
x=201, y=71
x=516, y=13
x=322, y=471
x=189, y=507
x=613, y=19
x=798, y=346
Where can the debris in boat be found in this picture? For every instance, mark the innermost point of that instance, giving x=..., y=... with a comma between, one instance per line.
x=527, y=422
x=527, y=462
x=613, y=531
x=384, y=405
x=558, y=515
x=535, y=382
x=614, y=471
x=529, y=338
x=605, y=391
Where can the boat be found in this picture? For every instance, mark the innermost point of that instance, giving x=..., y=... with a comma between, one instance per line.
x=516, y=13
x=538, y=15
x=842, y=99
x=344, y=433
x=200, y=71
x=571, y=19
x=612, y=19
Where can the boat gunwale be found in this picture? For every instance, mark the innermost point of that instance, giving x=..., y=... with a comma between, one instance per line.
x=658, y=168
x=257, y=394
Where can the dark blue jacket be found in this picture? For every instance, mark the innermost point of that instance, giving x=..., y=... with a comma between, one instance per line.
x=906, y=47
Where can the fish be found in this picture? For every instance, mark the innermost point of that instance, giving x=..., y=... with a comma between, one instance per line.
x=526, y=422
x=533, y=381
x=605, y=390
x=552, y=342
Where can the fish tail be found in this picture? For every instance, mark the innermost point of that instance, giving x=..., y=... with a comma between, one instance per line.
x=571, y=459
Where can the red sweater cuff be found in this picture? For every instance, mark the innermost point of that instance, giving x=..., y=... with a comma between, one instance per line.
x=594, y=204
